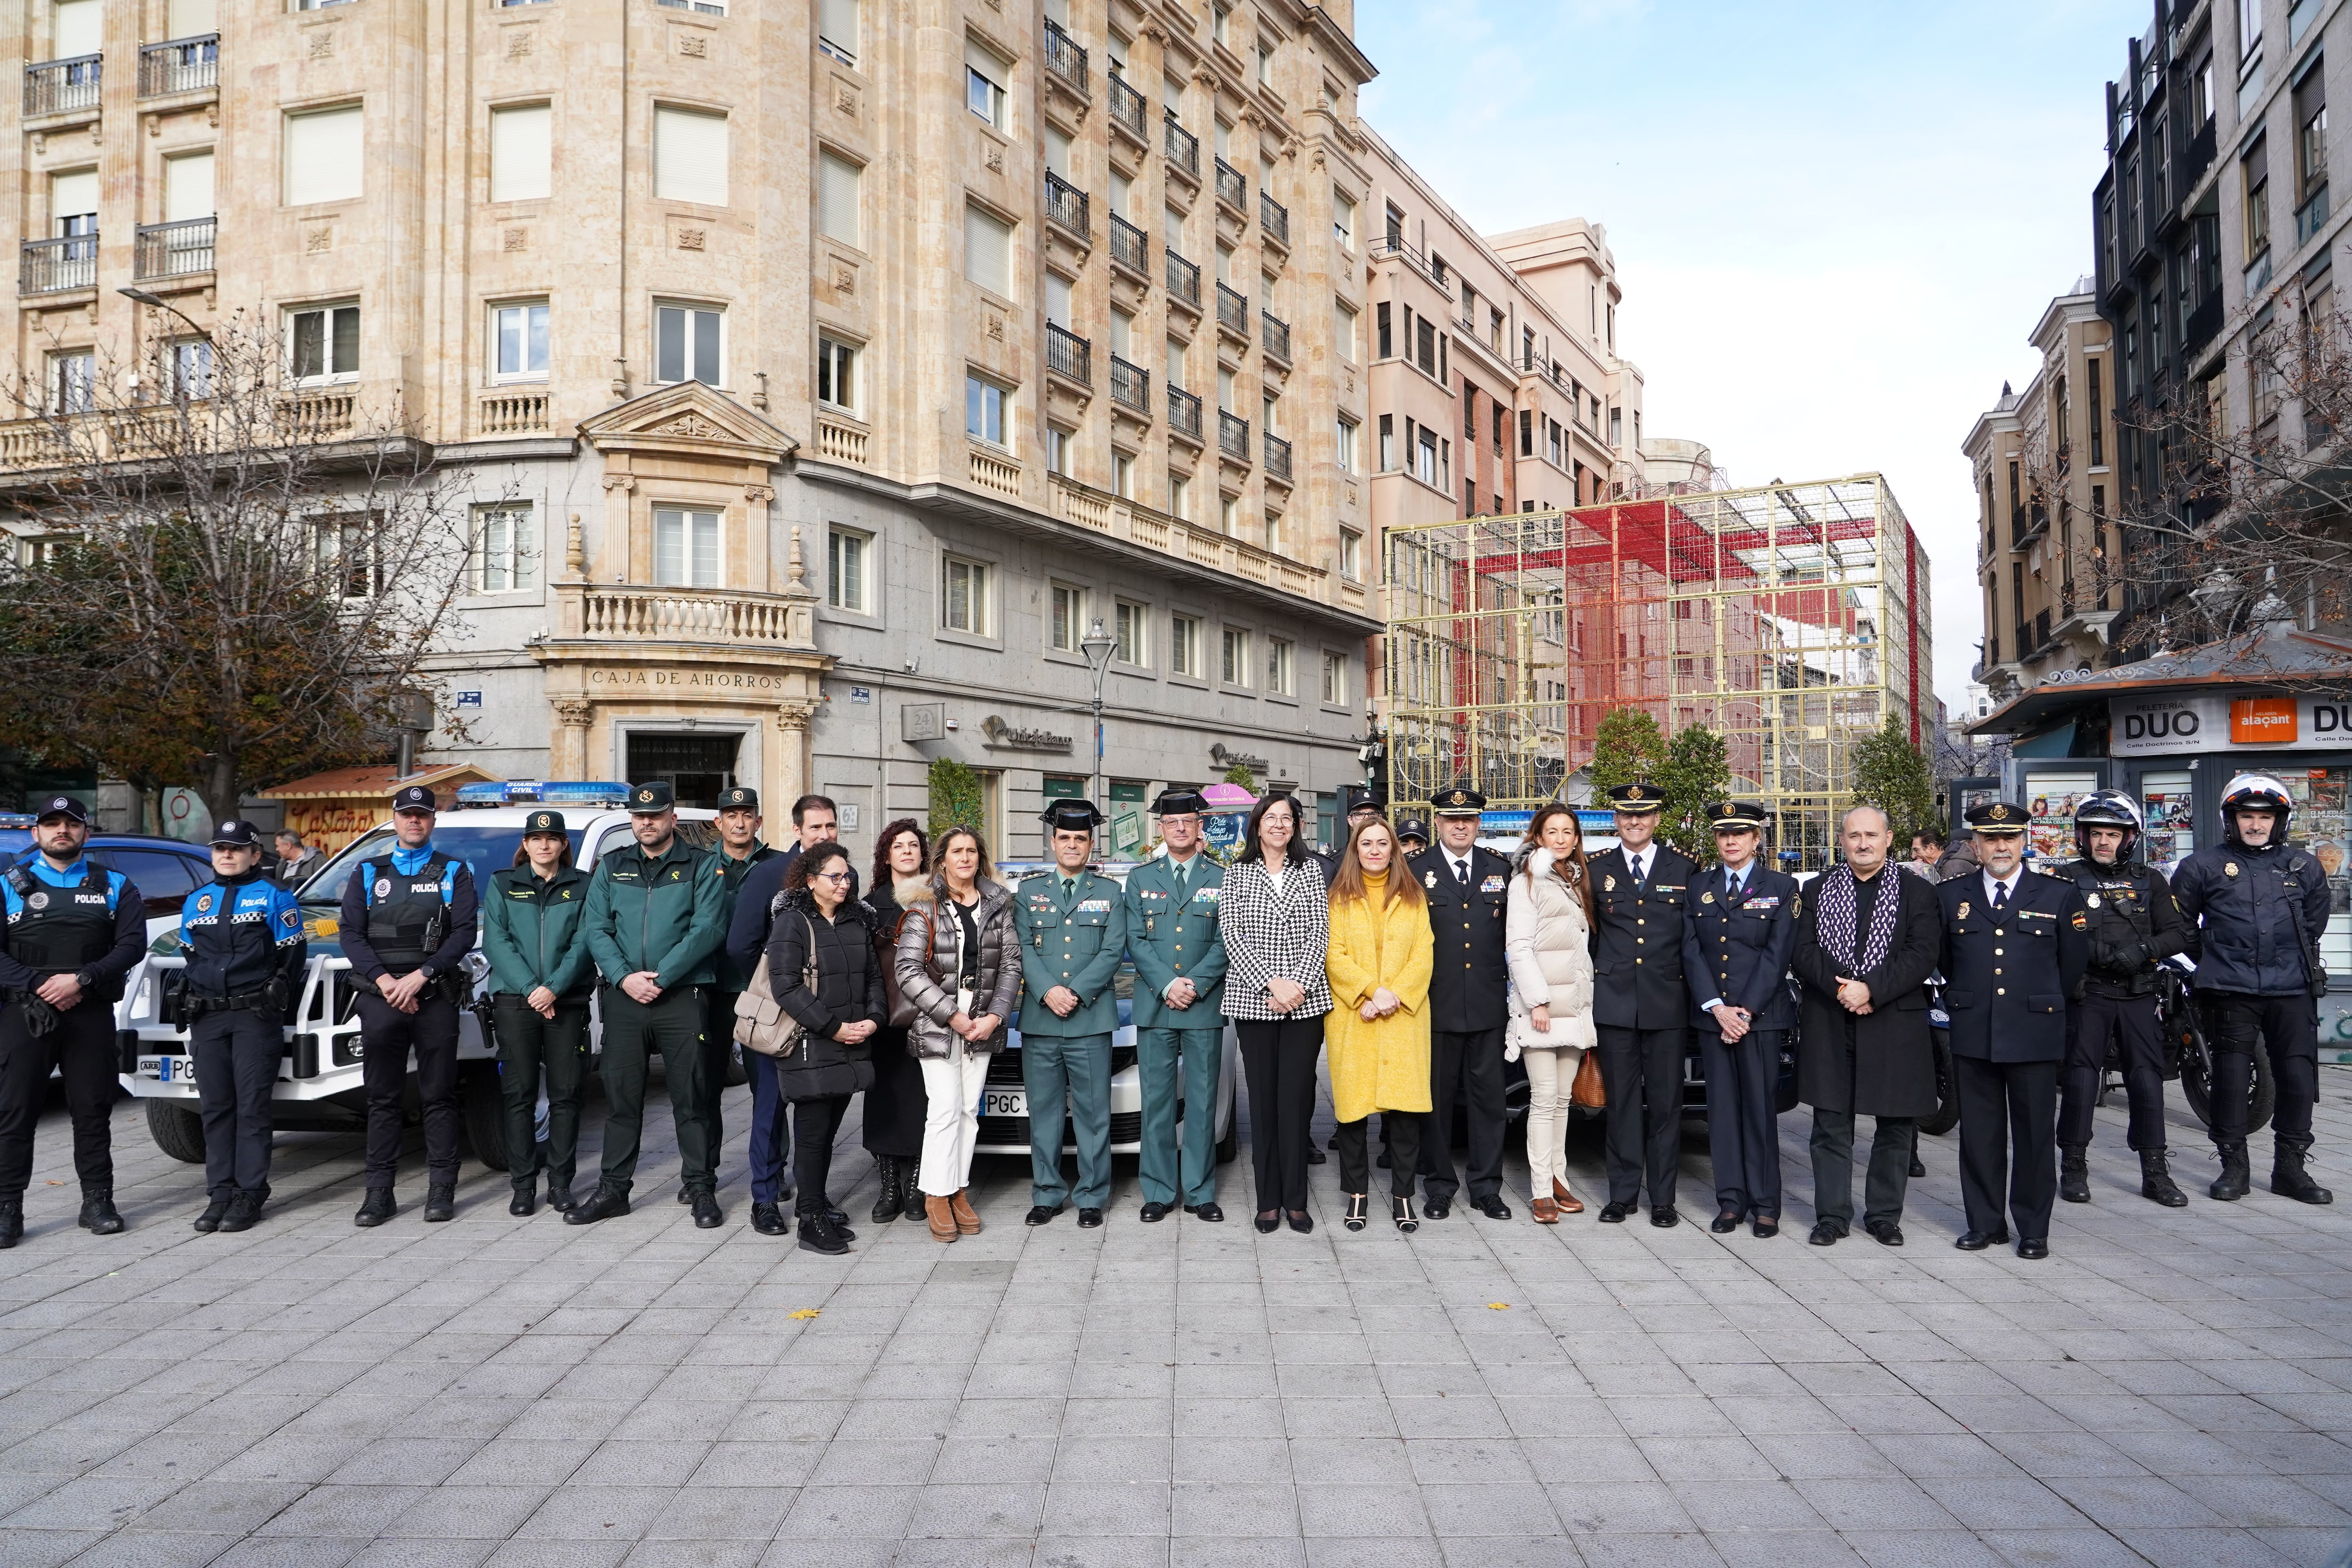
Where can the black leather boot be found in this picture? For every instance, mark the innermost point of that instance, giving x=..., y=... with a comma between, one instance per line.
x=2074, y=1172
x=606, y=1202
x=379, y=1207
x=440, y=1201
x=11, y=1222
x=2288, y=1178
x=893, y=1199
x=2155, y=1182
x=2235, y=1180
x=214, y=1212
x=100, y=1217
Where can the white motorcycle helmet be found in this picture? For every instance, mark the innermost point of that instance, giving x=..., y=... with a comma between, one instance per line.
x=2264, y=790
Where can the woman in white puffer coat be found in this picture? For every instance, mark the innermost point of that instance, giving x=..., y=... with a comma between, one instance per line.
x=1548, y=935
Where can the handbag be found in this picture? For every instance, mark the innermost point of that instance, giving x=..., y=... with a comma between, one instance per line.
x=761, y=1025
x=901, y=1011
x=1587, y=1090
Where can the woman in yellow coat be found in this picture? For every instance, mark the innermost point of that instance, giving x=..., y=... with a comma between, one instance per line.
x=1378, y=1031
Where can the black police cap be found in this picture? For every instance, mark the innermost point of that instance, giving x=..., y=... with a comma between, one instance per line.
x=414, y=797
x=1638, y=798
x=740, y=798
x=1413, y=828
x=63, y=805
x=1996, y=818
x=1364, y=797
x=543, y=822
x=650, y=799
x=1179, y=802
x=1460, y=800
x=235, y=835
x=1071, y=815
x=1733, y=815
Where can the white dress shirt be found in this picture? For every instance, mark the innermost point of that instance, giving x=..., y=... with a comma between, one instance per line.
x=1992, y=882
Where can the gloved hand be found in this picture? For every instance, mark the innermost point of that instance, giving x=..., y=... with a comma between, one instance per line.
x=39, y=1017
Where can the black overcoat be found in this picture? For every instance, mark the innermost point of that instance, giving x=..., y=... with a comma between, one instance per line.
x=1891, y=1071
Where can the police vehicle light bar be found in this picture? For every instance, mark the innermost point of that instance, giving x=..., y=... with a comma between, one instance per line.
x=533, y=792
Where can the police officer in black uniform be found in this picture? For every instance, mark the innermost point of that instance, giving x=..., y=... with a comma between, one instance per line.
x=1413, y=835
x=242, y=933
x=407, y=922
x=1468, y=990
x=73, y=930
x=2260, y=903
x=738, y=850
x=2016, y=943
x=2135, y=926
x=1741, y=932
x=1641, y=1009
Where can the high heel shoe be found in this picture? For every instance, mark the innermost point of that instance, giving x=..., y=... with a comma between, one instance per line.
x=1405, y=1221
x=1269, y=1221
x=1358, y=1204
x=1301, y=1221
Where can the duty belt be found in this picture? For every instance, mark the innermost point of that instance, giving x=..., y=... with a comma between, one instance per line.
x=250, y=1001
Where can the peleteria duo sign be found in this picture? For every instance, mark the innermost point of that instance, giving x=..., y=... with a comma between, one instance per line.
x=2169, y=726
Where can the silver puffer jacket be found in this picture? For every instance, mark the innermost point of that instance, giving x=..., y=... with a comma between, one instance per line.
x=931, y=956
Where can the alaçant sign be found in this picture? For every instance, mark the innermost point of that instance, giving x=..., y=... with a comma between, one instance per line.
x=2170, y=726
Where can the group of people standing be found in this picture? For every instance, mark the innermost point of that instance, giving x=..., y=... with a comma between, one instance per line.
x=1421, y=972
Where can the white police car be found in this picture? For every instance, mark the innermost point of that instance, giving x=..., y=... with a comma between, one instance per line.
x=319, y=1079
x=1004, y=1098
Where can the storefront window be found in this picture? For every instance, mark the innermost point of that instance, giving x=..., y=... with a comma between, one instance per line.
x=2321, y=824
x=2166, y=800
x=2050, y=800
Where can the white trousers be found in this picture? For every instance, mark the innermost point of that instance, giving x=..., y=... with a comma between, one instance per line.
x=1550, y=1076
x=951, y=1120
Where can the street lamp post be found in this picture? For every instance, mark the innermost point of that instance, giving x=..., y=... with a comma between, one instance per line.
x=1098, y=645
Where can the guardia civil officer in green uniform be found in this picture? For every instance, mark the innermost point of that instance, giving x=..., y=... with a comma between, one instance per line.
x=541, y=979
x=1073, y=928
x=652, y=925
x=738, y=850
x=1180, y=968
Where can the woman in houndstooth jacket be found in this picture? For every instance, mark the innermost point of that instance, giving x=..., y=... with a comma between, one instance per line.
x=1274, y=916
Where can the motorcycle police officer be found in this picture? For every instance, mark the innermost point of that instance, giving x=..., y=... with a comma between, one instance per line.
x=2260, y=904
x=2135, y=926
x=407, y=923
x=73, y=930
x=2015, y=946
x=242, y=933
x=1072, y=926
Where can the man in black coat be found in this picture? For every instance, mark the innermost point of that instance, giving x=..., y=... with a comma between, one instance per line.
x=2015, y=946
x=1735, y=951
x=1469, y=988
x=1641, y=1007
x=1867, y=939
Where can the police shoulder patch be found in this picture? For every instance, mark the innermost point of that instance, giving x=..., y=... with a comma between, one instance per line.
x=2082, y=921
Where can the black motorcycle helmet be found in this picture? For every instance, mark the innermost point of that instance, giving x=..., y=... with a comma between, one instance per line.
x=2256, y=789
x=2107, y=808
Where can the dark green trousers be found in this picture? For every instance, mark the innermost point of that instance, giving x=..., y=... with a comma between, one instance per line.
x=633, y=1033
x=529, y=1045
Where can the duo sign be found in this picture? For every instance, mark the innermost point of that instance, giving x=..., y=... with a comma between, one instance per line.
x=2170, y=726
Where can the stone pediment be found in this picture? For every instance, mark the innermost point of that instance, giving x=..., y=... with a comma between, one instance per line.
x=689, y=420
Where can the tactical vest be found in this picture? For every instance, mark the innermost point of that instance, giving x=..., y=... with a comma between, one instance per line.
x=232, y=947
x=2115, y=898
x=407, y=915
x=60, y=930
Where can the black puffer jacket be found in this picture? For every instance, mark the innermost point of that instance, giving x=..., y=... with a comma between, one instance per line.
x=848, y=988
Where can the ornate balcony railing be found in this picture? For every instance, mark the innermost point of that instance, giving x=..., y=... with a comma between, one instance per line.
x=1184, y=413
x=1130, y=385
x=53, y=265
x=636, y=613
x=1183, y=148
x=1273, y=218
x=1063, y=57
x=511, y=414
x=1231, y=188
x=181, y=65
x=1232, y=435
x=1066, y=204
x=1277, y=457
x=53, y=87
x=1130, y=247
x=1125, y=105
x=1183, y=279
x=1068, y=355
x=1232, y=312
x=1274, y=333
x=175, y=249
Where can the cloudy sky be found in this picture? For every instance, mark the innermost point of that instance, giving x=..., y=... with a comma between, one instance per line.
x=1834, y=223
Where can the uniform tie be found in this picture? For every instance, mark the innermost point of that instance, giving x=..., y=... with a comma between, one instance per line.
x=2000, y=897
x=1462, y=872
x=1069, y=885
x=1178, y=872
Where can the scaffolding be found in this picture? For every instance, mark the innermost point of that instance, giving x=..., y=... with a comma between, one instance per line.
x=1791, y=619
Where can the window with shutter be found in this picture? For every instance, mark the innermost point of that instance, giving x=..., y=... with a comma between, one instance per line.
x=188, y=188
x=521, y=152
x=988, y=251
x=837, y=29
x=689, y=156
x=838, y=183
x=325, y=153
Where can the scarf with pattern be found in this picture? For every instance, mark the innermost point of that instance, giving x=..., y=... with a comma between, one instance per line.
x=1839, y=900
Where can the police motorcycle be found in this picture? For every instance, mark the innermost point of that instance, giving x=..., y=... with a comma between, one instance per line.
x=319, y=1086
x=2187, y=1057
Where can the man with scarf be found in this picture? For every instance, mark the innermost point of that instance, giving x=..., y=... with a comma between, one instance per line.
x=1867, y=939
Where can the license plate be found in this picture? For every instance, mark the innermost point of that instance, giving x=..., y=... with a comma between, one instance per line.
x=1004, y=1102
x=168, y=1069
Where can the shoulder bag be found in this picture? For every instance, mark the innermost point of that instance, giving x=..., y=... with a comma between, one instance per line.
x=1587, y=1090
x=761, y=1025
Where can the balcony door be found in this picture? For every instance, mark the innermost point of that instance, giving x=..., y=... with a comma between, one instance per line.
x=698, y=766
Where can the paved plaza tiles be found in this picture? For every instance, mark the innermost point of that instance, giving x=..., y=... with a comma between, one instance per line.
x=2171, y=1387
